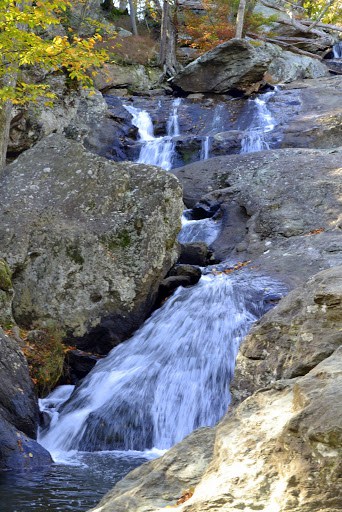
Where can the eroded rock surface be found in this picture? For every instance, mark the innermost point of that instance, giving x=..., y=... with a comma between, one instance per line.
x=88, y=240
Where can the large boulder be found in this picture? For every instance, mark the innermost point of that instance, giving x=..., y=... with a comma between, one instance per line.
x=134, y=77
x=280, y=449
x=271, y=215
x=88, y=240
x=243, y=65
x=18, y=411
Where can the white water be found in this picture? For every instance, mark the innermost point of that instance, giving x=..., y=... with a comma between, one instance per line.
x=262, y=122
x=217, y=126
x=203, y=230
x=156, y=150
x=337, y=49
x=171, y=377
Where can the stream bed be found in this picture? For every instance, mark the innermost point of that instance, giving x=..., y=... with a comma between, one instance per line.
x=66, y=487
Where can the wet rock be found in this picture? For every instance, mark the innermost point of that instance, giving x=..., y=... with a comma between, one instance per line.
x=79, y=364
x=18, y=411
x=193, y=273
x=197, y=253
x=88, y=240
x=18, y=452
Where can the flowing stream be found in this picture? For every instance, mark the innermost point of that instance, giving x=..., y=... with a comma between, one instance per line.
x=170, y=378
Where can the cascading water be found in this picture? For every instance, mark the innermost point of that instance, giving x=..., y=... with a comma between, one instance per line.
x=337, y=50
x=262, y=123
x=171, y=377
x=217, y=125
x=203, y=230
x=156, y=150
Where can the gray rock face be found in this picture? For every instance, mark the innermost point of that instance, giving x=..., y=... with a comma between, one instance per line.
x=18, y=411
x=235, y=64
x=319, y=121
x=74, y=113
x=280, y=449
x=271, y=215
x=304, y=329
x=243, y=65
x=88, y=240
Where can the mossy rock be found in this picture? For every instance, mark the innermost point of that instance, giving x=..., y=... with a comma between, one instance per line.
x=5, y=276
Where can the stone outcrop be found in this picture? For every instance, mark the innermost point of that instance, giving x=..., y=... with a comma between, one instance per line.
x=244, y=65
x=87, y=240
x=303, y=330
x=134, y=77
x=18, y=411
x=280, y=449
x=318, y=123
x=74, y=113
x=271, y=215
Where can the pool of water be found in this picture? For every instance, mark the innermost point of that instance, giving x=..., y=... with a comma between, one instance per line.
x=76, y=486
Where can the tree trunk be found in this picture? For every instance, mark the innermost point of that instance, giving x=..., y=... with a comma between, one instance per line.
x=5, y=120
x=240, y=19
x=133, y=18
x=168, y=39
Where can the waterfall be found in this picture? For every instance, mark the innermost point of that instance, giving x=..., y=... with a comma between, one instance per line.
x=262, y=123
x=156, y=150
x=337, y=50
x=217, y=125
x=170, y=378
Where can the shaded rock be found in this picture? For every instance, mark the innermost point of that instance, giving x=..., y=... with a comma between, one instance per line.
x=243, y=65
x=18, y=411
x=304, y=329
x=196, y=253
x=78, y=364
x=193, y=273
x=179, y=275
x=88, y=240
x=272, y=216
x=18, y=452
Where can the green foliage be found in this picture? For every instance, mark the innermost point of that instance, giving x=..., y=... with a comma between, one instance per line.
x=24, y=43
x=314, y=9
